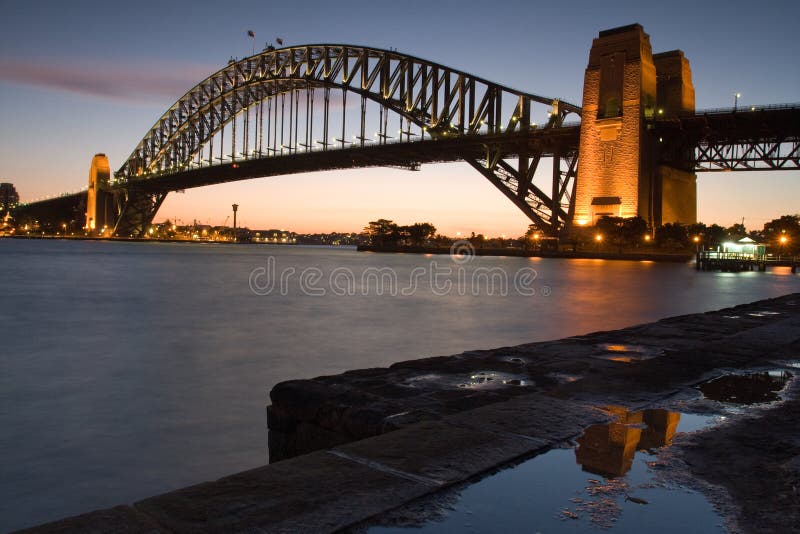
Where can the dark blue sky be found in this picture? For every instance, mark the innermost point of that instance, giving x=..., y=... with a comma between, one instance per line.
x=83, y=77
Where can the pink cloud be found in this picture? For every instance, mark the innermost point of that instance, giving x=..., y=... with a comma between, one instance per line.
x=129, y=81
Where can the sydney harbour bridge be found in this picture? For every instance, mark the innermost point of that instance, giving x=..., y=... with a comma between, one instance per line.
x=633, y=147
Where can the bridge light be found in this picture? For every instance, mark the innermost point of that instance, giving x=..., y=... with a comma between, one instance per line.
x=660, y=111
x=647, y=237
x=598, y=237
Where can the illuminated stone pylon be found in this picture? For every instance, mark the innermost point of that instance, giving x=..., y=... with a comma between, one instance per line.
x=99, y=202
x=625, y=88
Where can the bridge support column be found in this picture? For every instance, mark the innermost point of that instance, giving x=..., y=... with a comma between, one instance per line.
x=676, y=182
x=100, y=210
x=625, y=89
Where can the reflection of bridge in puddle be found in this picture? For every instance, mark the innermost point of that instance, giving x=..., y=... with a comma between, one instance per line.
x=609, y=449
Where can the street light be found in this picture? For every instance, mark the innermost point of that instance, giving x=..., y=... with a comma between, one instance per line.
x=783, y=241
x=696, y=240
x=736, y=100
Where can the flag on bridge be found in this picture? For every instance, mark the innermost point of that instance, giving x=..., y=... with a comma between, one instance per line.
x=251, y=33
x=279, y=41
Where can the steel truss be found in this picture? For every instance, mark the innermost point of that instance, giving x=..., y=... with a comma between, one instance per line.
x=758, y=138
x=271, y=98
x=748, y=156
x=138, y=209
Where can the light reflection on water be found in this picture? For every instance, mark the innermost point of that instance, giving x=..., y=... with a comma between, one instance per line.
x=130, y=369
x=614, y=487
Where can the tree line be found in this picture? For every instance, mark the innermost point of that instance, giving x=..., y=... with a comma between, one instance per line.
x=783, y=233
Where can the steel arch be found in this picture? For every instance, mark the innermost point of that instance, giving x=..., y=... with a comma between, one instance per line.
x=440, y=101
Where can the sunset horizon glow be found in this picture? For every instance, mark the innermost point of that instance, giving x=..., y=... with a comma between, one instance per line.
x=73, y=93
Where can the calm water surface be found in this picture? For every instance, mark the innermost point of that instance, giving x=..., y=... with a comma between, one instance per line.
x=131, y=369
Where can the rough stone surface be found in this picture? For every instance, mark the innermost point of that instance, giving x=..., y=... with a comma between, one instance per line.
x=633, y=366
x=764, y=450
x=318, y=492
x=119, y=520
x=440, y=452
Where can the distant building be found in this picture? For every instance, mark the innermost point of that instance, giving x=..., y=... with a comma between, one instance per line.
x=9, y=198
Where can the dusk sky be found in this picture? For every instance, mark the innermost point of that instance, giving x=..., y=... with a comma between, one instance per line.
x=77, y=78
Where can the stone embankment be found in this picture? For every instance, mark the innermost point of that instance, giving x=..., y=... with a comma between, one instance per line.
x=356, y=445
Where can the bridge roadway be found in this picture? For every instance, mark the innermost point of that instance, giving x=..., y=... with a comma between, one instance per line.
x=709, y=132
x=399, y=154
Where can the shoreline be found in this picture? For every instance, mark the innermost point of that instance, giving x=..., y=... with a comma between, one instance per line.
x=515, y=252
x=368, y=441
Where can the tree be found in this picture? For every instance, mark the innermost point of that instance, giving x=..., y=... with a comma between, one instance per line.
x=531, y=239
x=715, y=236
x=611, y=229
x=383, y=232
x=9, y=198
x=418, y=233
x=633, y=230
x=477, y=240
x=672, y=235
x=784, y=233
x=736, y=232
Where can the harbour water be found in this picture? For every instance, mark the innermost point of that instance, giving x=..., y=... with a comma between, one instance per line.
x=130, y=369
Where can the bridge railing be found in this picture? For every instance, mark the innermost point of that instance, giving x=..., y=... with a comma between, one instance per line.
x=52, y=197
x=737, y=109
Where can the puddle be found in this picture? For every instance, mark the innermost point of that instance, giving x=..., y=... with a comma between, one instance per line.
x=627, y=353
x=751, y=388
x=476, y=380
x=492, y=379
x=610, y=482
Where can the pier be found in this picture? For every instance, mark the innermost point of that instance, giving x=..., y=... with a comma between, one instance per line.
x=711, y=260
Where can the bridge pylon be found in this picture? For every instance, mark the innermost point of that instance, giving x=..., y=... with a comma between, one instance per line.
x=100, y=211
x=626, y=88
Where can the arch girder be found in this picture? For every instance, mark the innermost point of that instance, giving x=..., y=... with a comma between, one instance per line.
x=431, y=95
